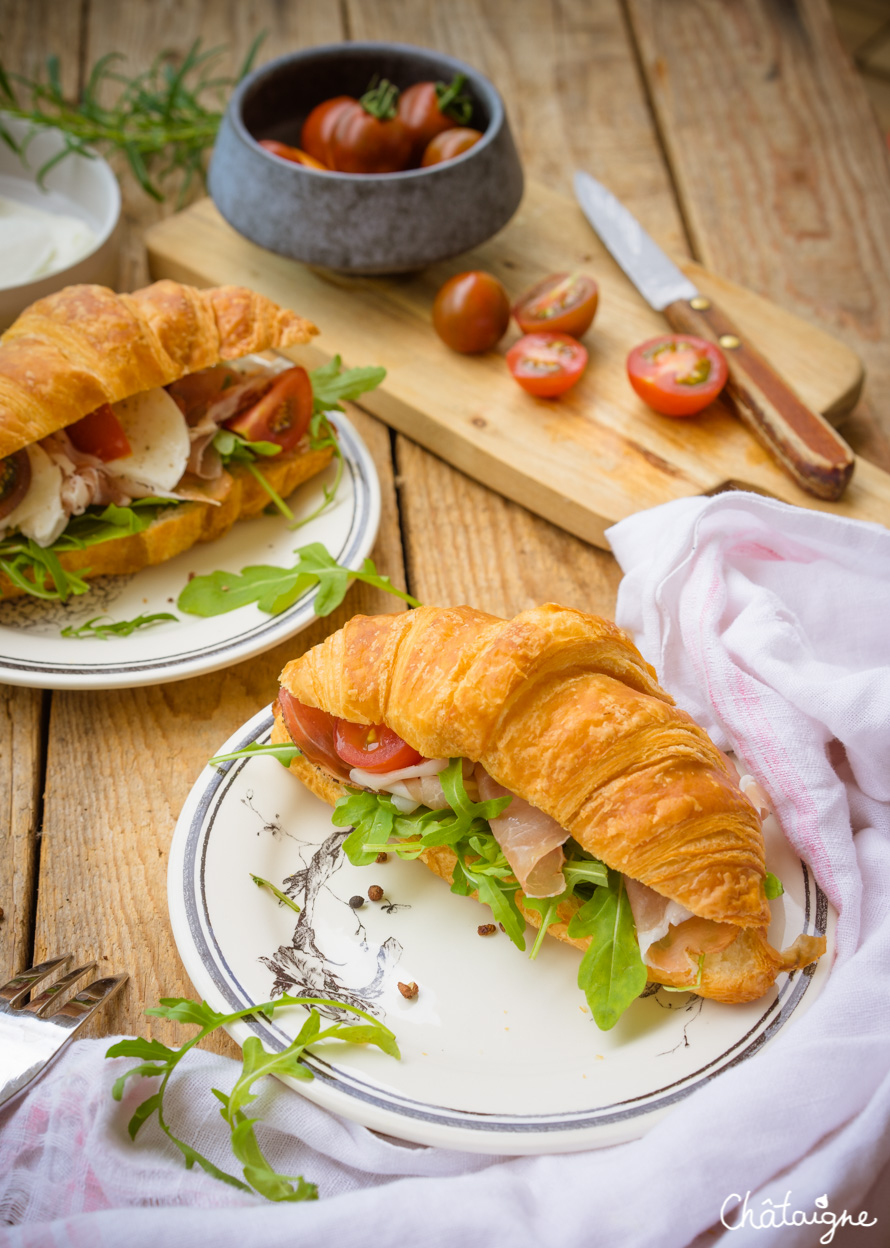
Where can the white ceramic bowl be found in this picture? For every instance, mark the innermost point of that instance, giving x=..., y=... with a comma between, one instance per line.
x=78, y=186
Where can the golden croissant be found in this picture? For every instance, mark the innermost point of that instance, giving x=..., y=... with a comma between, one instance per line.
x=109, y=398
x=558, y=709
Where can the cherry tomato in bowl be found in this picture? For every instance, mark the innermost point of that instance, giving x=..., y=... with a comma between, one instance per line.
x=318, y=128
x=293, y=154
x=448, y=144
x=471, y=312
x=373, y=747
x=677, y=374
x=547, y=364
x=369, y=136
x=282, y=415
x=563, y=304
x=429, y=108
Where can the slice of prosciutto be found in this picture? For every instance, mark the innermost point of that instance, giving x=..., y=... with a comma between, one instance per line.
x=672, y=938
x=532, y=841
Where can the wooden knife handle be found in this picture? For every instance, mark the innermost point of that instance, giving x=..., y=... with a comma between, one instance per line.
x=799, y=439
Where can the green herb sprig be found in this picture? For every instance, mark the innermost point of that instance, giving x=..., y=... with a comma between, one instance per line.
x=115, y=628
x=283, y=899
x=164, y=120
x=157, y=1059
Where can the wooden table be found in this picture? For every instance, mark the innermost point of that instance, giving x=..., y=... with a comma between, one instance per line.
x=736, y=130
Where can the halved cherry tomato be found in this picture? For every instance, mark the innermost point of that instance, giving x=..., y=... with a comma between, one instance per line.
x=428, y=108
x=15, y=480
x=547, y=364
x=373, y=747
x=471, y=312
x=449, y=144
x=100, y=433
x=564, y=304
x=315, y=137
x=293, y=154
x=282, y=415
x=369, y=136
x=312, y=731
x=677, y=375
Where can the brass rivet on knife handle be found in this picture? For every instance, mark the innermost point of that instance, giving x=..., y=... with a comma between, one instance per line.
x=799, y=439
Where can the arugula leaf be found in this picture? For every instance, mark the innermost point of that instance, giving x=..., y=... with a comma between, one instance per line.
x=612, y=972
x=332, y=383
x=119, y=628
x=285, y=753
x=275, y=589
x=256, y=1064
x=231, y=446
x=321, y=435
x=773, y=886
x=283, y=898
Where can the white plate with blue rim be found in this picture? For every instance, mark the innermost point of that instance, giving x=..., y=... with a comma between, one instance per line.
x=33, y=650
x=499, y=1054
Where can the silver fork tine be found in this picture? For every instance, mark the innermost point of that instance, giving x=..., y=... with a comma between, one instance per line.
x=40, y=1006
x=85, y=1003
x=20, y=985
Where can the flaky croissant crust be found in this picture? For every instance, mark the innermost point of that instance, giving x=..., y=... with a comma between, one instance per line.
x=560, y=708
x=85, y=345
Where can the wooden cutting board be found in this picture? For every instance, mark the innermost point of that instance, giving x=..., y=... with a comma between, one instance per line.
x=584, y=461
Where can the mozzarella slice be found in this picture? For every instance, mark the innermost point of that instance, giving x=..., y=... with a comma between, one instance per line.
x=158, y=437
x=40, y=515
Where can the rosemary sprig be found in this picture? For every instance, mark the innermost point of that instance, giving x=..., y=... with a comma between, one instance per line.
x=159, y=119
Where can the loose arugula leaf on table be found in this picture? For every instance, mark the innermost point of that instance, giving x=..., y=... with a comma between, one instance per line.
x=612, y=972
x=115, y=628
x=158, y=1060
x=274, y=589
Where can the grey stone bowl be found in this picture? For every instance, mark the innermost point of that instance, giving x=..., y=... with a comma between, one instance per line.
x=360, y=223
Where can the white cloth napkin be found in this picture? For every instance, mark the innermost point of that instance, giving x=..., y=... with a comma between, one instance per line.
x=772, y=626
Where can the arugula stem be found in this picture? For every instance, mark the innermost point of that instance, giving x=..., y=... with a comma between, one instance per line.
x=275, y=497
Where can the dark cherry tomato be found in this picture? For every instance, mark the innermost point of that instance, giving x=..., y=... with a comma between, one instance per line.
x=547, y=365
x=373, y=747
x=564, y=304
x=677, y=375
x=194, y=393
x=428, y=108
x=282, y=415
x=471, y=312
x=15, y=479
x=293, y=154
x=101, y=434
x=369, y=136
x=312, y=731
x=448, y=144
x=315, y=137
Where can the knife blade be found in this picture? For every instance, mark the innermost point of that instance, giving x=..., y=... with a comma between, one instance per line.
x=799, y=439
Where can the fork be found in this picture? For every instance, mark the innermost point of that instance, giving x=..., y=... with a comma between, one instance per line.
x=32, y=1036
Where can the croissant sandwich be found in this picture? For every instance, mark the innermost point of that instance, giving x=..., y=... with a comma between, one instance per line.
x=537, y=764
x=111, y=410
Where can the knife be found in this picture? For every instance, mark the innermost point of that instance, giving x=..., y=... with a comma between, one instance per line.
x=798, y=438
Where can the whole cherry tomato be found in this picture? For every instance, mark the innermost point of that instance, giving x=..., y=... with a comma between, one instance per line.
x=373, y=747
x=15, y=480
x=315, y=137
x=547, y=365
x=448, y=144
x=282, y=415
x=100, y=433
x=369, y=137
x=471, y=312
x=428, y=108
x=564, y=304
x=312, y=731
x=677, y=375
x=293, y=154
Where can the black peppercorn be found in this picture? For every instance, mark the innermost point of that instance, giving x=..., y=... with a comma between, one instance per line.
x=356, y=902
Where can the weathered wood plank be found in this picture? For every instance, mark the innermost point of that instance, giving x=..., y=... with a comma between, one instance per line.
x=783, y=174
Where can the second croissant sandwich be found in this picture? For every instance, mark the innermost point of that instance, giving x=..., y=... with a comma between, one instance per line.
x=537, y=764
x=133, y=426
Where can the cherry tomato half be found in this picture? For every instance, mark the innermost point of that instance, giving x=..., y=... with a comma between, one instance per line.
x=293, y=154
x=315, y=137
x=547, y=364
x=312, y=731
x=15, y=480
x=677, y=375
x=100, y=433
x=282, y=415
x=471, y=312
x=373, y=747
x=448, y=144
x=564, y=304
x=369, y=136
x=428, y=108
